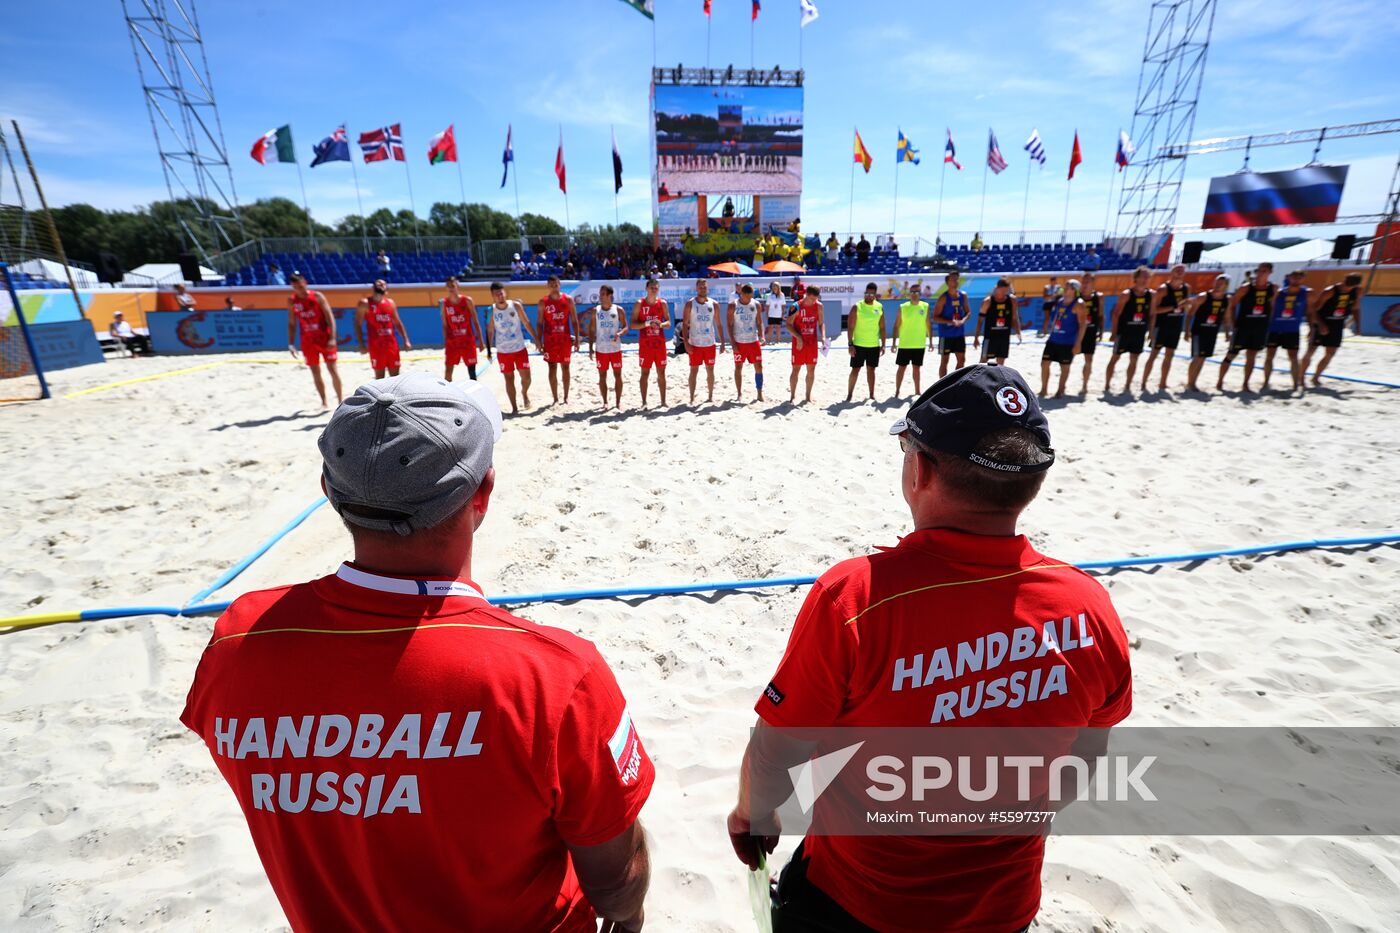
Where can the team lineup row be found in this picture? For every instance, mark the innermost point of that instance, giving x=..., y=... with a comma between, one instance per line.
x=1258, y=316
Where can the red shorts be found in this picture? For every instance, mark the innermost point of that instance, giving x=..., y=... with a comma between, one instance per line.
x=316, y=351
x=653, y=351
x=609, y=360
x=510, y=362
x=558, y=348
x=807, y=356
x=748, y=353
x=464, y=353
x=384, y=355
x=701, y=356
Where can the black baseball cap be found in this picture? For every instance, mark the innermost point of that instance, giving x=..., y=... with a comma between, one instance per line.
x=965, y=406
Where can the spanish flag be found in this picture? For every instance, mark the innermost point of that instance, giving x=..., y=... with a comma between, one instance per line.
x=862, y=153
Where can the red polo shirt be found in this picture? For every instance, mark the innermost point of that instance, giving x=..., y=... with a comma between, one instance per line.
x=876, y=644
x=409, y=757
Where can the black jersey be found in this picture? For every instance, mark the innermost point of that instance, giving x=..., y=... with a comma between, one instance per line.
x=998, y=319
x=1257, y=305
x=1173, y=297
x=1093, y=308
x=1134, y=311
x=1210, y=314
x=1338, y=306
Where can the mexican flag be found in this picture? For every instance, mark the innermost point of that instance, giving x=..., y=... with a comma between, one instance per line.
x=443, y=147
x=274, y=146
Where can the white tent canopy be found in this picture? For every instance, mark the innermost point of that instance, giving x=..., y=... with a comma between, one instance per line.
x=162, y=273
x=54, y=271
x=1241, y=251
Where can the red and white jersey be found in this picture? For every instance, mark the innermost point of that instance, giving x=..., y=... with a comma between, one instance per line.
x=310, y=318
x=379, y=319
x=806, y=320
x=555, y=315
x=461, y=320
x=654, y=318
x=408, y=756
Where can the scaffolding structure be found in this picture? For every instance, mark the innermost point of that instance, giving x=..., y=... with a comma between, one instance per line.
x=174, y=71
x=1164, y=118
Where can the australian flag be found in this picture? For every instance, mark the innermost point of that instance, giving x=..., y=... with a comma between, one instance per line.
x=383, y=143
x=334, y=148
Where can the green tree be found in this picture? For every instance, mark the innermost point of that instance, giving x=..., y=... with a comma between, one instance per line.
x=539, y=225
x=280, y=217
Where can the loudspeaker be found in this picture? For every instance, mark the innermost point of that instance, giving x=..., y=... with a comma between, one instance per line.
x=189, y=268
x=1343, y=245
x=109, y=268
x=1191, y=252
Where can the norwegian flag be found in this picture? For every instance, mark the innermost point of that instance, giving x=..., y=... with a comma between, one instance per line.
x=383, y=143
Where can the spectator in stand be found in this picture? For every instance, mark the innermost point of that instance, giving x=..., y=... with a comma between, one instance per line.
x=833, y=250
x=671, y=272
x=569, y=272
x=977, y=242
x=517, y=267
x=533, y=266
x=135, y=344
x=275, y=275
x=760, y=253
x=381, y=259
x=849, y=250
x=891, y=245
x=863, y=250
x=183, y=298
x=229, y=305
x=1093, y=262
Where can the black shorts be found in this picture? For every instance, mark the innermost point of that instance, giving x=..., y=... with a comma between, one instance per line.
x=1333, y=337
x=1286, y=339
x=1248, y=338
x=996, y=346
x=1090, y=341
x=912, y=356
x=1058, y=352
x=1203, y=343
x=948, y=345
x=775, y=322
x=865, y=356
x=1167, y=336
x=1130, y=341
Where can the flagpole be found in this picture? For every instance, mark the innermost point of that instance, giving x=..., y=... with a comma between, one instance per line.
x=982, y=214
x=1108, y=208
x=708, y=18
x=1025, y=203
x=310, y=225
x=894, y=216
x=938, y=228
x=417, y=243
x=752, y=60
x=462, y=187
x=1064, y=224
x=354, y=174
x=850, y=215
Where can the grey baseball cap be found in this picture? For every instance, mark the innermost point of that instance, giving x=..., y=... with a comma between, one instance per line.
x=413, y=446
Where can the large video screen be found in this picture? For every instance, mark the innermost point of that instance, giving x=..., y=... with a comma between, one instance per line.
x=728, y=140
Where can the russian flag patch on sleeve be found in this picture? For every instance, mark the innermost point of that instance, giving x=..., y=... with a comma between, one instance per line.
x=626, y=749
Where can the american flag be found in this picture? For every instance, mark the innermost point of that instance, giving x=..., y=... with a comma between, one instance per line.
x=1035, y=147
x=994, y=160
x=383, y=143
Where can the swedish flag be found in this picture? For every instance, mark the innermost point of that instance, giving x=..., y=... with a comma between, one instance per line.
x=905, y=151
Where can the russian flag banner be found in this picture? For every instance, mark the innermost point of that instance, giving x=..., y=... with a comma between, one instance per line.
x=1308, y=195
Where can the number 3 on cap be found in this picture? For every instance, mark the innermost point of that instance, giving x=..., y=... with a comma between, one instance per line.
x=1011, y=401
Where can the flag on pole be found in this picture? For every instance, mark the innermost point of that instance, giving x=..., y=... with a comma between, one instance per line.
x=755, y=10
x=808, y=11
x=707, y=7
x=381, y=144
x=644, y=7
x=559, y=163
x=862, y=153
x=1035, y=147
x=274, y=146
x=1075, y=156
x=949, y=153
x=994, y=160
x=507, y=157
x=443, y=147
x=617, y=165
x=334, y=148
x=1125, y=150
x=905, y=151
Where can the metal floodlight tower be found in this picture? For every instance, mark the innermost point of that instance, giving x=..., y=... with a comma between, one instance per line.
x=174, y=73
x=1169, y=87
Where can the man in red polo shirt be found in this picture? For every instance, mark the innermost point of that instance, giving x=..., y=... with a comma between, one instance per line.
x=407, y=756
x=976, y=447
x=559, y=335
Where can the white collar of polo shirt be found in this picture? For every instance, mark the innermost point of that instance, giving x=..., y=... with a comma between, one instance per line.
x=373, y=581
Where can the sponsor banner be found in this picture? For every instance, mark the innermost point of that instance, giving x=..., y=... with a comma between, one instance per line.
x=64, y=344
x=777, y=212
x=1380, y=316
x=677, y=215
x=1032, y=781
x=244, y=331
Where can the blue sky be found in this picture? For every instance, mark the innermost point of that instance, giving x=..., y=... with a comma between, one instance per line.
x=920, y=65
